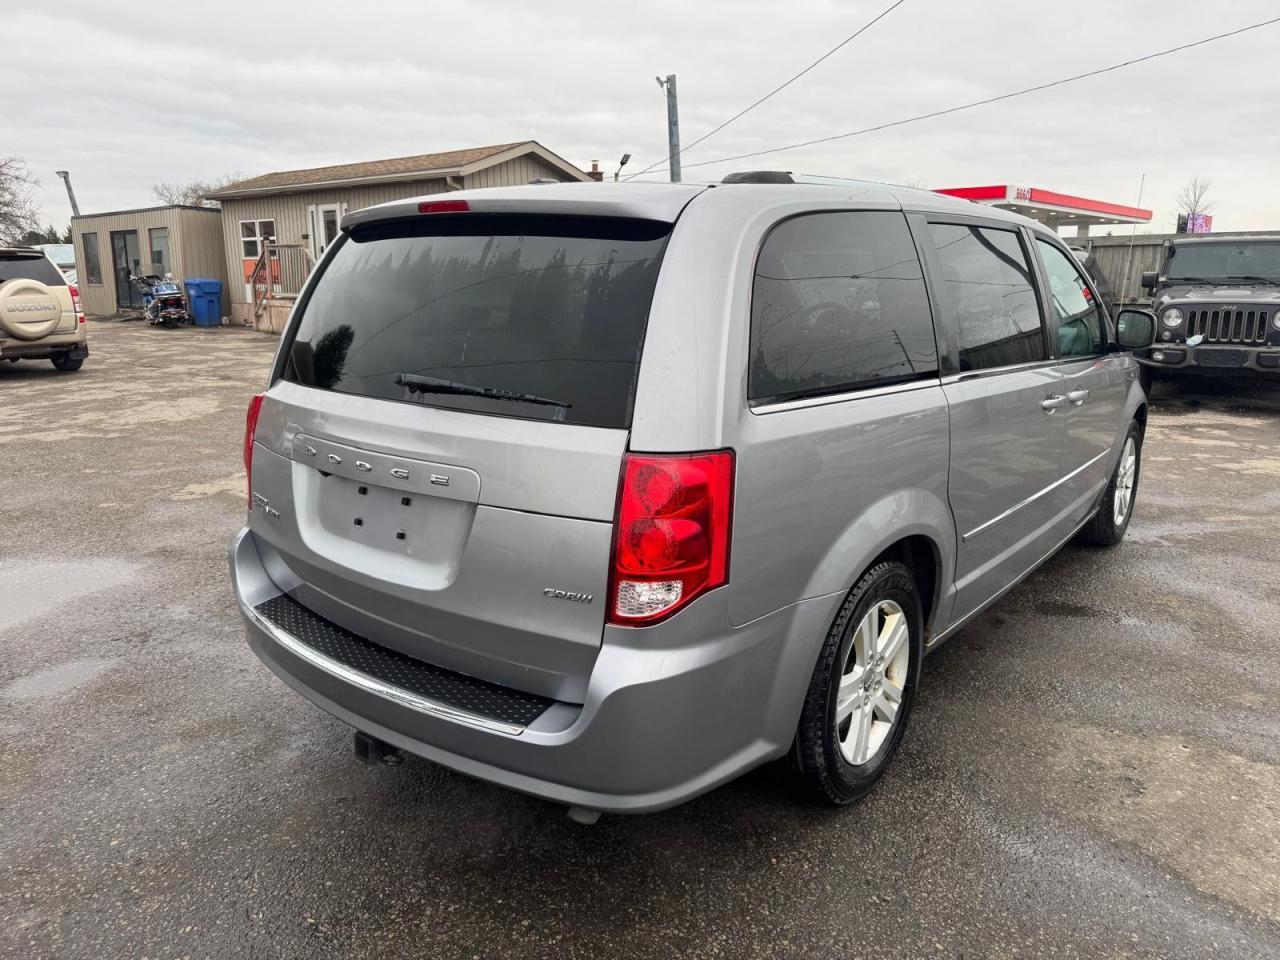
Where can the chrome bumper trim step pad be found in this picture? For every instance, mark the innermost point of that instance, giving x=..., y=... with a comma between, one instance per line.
x=478, y=698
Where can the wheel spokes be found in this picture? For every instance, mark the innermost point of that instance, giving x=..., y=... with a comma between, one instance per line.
x=870, y=691
x=891, y=692
x=892, y=636
x=854, y=743
x=849, y=694
x=867, y=636
x=1125, y=473
x=886, y=703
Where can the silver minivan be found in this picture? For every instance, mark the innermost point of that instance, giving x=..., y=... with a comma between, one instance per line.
x=610, y=492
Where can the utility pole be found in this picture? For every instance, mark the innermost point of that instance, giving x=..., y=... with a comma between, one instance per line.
x=71, y=194
x=673, y=126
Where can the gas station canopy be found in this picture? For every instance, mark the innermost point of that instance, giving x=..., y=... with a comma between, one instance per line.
x=1052, y=209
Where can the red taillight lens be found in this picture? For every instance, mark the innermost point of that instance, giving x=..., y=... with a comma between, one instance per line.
x=444, y=206
x=75, y=302
x=671, y=539
x=250, y=428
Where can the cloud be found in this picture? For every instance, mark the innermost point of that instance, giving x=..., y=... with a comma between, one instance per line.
x=251, y=87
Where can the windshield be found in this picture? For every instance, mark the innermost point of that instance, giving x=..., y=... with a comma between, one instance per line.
x=1221, y=261
x=503, y=308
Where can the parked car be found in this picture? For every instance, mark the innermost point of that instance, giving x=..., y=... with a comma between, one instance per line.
x=609, y=493
x=1218, y=300
x=40, y=313
x=63, y=256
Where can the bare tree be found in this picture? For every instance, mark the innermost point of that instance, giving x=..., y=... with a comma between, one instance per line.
x=1194, y=197
x=194, y=193
x=17, y=206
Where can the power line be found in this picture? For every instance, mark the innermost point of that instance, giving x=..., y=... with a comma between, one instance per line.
x=980, y=103
x=743, y=112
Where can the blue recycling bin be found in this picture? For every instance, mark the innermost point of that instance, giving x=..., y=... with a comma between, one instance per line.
x=204, y=294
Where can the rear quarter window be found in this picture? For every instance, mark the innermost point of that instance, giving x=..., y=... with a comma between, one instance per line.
x=838, y=303
x=30, y=268
x=553, y=307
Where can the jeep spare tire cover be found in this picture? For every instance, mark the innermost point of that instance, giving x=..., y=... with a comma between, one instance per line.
x=29, y=310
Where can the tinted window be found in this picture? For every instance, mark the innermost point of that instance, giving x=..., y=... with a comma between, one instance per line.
x=986, y=275
x=1074, y=308
x=549, y=306
x=31, y=268
x=838, y=303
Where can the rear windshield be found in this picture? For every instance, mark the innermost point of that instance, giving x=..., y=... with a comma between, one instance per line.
x=422, y=311
x=30, y=268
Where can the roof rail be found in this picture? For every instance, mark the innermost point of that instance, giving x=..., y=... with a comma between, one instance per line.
x=759, y=176
x=786, y=176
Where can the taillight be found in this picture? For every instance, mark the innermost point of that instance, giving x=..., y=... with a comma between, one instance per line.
x=444, y=206
x=75, y=302
x=250, y=428
x=671, y=539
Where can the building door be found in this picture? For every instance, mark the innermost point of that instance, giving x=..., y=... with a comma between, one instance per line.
x=325, y=219
x=126, y=260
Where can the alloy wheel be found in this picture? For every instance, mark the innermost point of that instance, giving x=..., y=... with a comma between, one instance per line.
x=1125, y=475
x=869, y=697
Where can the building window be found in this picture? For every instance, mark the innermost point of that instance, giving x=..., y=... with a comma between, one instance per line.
x=989, y=282
x=838, y=304
x=159, y=240
x=92, y=265
x=254, y=233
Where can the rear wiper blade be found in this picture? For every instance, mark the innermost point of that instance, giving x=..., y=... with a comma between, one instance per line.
x=1254, y=278
x=418, y=384
x=1211, y=282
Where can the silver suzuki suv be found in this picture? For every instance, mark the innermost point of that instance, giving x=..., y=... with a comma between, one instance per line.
x=609, y=493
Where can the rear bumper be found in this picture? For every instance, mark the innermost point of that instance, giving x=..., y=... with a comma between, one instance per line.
x=76, y=343
x=1211, y=358
x=670, y=712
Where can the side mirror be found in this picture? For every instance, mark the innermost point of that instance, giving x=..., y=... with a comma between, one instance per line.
x=1135, y=329
x=1149, y=279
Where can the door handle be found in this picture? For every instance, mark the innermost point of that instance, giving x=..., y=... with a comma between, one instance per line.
x=1078, y=396
x=1052, y=403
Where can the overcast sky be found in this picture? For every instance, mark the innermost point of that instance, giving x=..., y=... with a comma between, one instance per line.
x=124, y=101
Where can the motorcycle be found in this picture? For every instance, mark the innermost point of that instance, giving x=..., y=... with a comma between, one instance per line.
x=163, y=303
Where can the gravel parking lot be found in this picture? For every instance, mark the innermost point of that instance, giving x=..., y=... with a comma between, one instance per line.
x=1092, y=770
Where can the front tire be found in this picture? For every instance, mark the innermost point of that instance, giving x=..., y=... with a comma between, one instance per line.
x=67, y=363
x=1108, y=526
x=863, y=687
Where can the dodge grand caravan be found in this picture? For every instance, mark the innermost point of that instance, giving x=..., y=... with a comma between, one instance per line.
x=609, y=493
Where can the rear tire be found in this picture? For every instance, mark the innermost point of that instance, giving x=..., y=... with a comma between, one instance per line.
x=1108, y=526
x=66, y=363
x=863, y=687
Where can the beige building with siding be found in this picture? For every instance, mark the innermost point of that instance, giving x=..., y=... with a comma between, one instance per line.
x=182, y=240
x=296, y=213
